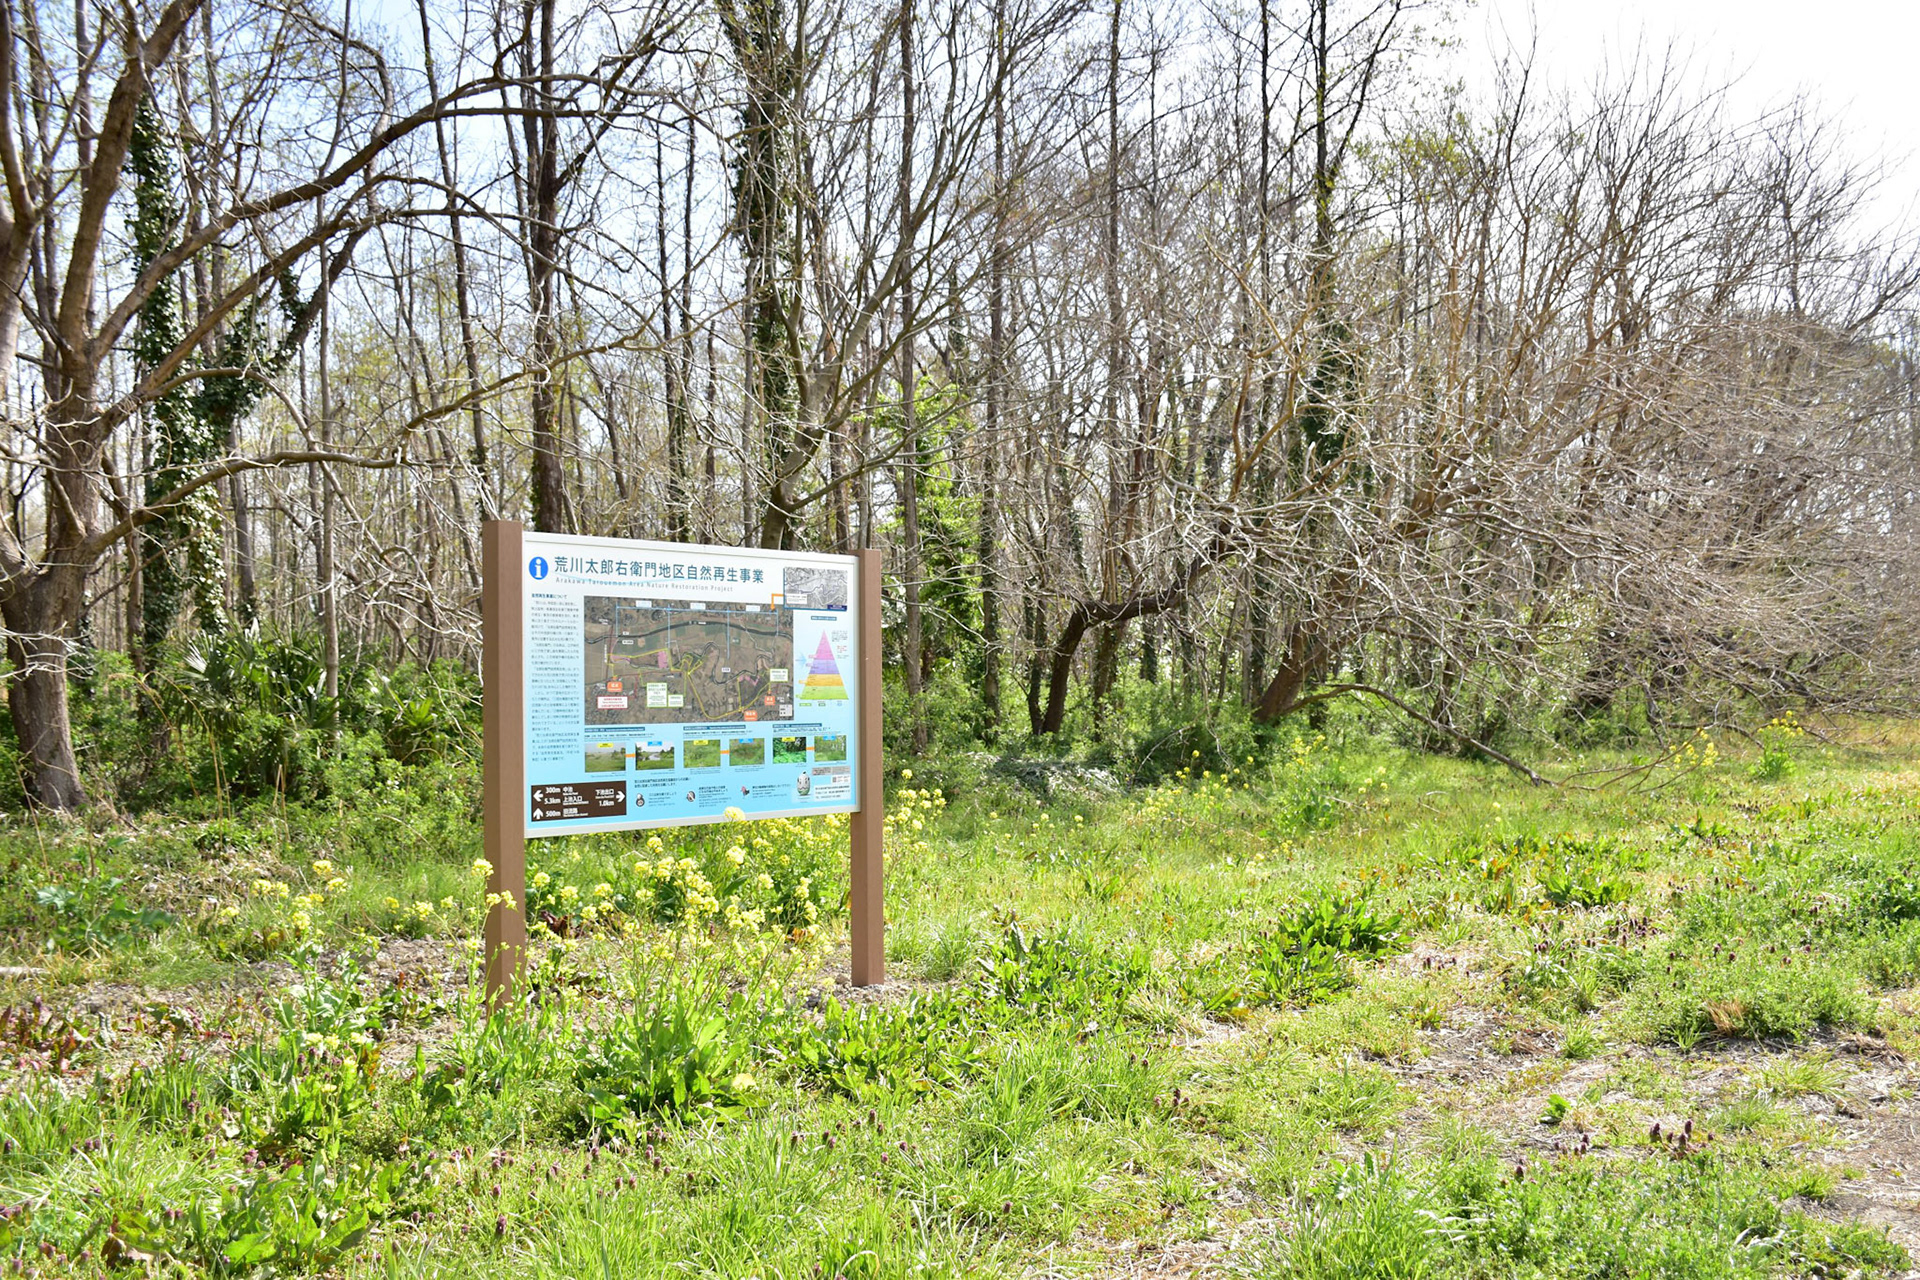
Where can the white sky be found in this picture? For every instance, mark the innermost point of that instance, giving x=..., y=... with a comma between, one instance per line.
x=1855, y=58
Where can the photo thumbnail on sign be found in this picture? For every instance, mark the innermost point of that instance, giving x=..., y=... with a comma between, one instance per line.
x=653, y=756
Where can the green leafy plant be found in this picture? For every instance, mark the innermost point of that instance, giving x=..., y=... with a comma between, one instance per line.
x=1057, y=973
x=494, y=1050
x=1304, y=958
x=95, y=915
x=342, y=1005
x=34, y=1033
x=1567, y=883
x=1580, y=1043
x=1804, y=1077
x=1349, y=925
x=1776, y=760
x=296, y=1221
x=1217, y=988
x=424, y=713
x=299, y=1091
x=225, y=837
x=683, y=1050
x=1288, y=971
x=929, y=1039
x=1365, y=1220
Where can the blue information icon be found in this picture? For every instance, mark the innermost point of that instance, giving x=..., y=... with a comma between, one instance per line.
x=537, y=567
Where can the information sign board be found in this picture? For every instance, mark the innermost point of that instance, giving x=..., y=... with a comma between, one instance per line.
x=667, y=683
x=643, y=684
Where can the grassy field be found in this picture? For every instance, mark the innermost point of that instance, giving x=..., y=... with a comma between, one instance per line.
x=1344, y=1012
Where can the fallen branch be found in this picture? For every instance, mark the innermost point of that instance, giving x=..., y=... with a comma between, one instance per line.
x=1437, y=726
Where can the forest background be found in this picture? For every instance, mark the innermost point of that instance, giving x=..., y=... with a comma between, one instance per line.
x=1195, y=368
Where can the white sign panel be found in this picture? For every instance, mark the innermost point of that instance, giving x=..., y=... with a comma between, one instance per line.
x=667, y=683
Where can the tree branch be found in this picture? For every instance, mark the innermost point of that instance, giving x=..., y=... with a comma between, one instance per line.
x=96, y=545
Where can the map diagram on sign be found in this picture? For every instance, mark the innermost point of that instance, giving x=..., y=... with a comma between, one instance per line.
x=653, y=661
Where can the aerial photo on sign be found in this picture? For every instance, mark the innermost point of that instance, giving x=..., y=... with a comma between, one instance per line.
x=656, y=661
x=812, y=587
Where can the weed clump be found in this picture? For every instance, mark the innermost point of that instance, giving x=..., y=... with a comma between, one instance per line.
x=1305, y=958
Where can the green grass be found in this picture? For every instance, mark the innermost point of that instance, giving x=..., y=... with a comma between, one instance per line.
x=1363, y=1013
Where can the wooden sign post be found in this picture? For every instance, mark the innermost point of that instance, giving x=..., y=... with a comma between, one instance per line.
x=503, y=768
x=640, y=684
x=866, y=898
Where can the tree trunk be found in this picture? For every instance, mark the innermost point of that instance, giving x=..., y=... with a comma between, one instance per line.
x=989, y=539
x=1106, y=663
x=686, y=321
x=1119, y=483
x=673, y=376
x=1036, y=663
x=469, y=346
x=41, y=621
x=549, y=478
x=43, y=611
x=912, y=560
x=1283, y=693
x=764, y=196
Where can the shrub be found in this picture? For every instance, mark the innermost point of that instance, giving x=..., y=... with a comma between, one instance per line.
x=423, y=713
x=1174, y=741
x=263, y=704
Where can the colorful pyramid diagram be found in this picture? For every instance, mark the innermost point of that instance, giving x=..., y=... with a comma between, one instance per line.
x=823, y=675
